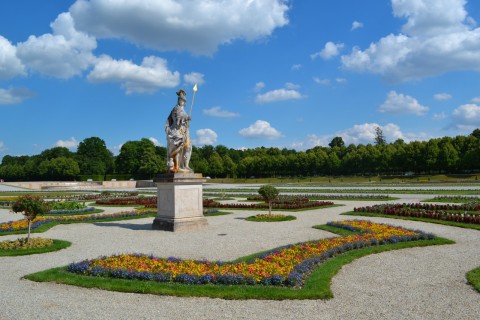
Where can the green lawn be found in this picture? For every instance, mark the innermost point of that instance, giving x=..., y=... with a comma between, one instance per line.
x=273, y=218
x=473, y=278
x=57, y=245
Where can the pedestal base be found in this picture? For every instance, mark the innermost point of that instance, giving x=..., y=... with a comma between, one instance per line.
x=179, y=202
x=186, y=224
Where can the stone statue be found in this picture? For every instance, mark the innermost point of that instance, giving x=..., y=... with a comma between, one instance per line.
x=179, y=147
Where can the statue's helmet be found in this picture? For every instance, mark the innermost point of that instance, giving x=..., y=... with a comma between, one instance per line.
x=181, y=95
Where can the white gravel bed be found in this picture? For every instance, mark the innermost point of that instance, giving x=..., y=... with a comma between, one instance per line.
x=417, y=283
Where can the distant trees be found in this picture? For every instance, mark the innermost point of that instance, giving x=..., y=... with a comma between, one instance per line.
x=94, y=157
x=143, y=159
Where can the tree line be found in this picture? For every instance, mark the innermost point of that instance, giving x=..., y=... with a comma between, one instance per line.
x=142, y=160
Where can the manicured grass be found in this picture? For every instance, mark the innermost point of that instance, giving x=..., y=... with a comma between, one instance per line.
x=273, y=218
x=362, y=191
x=453, y=200
x=74, y=213
x=317, y=286
x=218, y=213
x=336, y=230
x=447, y=223
x=314, y=197
x=93, y=204
x=473, y=278
x=57, y=245
x=287, y=210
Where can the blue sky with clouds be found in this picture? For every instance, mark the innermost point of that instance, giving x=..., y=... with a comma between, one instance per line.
x=276, y=73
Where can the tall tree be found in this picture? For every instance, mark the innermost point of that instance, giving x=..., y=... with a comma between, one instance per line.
x=215, y=165
x=229, y=167
x=56, y=152
x=150, y=163
x=94, y=157
x=476, y=133
x=61, y=168
x=379, y=137
x=337, y=142
x=448, y=156
x=130, y=158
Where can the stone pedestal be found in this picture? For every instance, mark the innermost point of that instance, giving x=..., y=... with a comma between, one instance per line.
x=179, y=202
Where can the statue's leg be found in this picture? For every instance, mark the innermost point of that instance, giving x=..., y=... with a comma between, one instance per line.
x=176, y=164
x=187, y=156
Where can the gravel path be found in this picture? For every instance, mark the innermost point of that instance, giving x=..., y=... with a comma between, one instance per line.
x=417, y=283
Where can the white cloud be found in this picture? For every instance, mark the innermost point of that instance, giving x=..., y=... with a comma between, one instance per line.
x=150, y=76
x=360, y=134
x=435, y=40
x=197, y=26
x=341, y=80
x=259, y=86
x=466, y=117
x=14, y=95
x=205, y=137
x=155, y=141
x=63, y=54
x=321, y=81
x=439, y=116
x=398, y=103
x=292, y=86
x=218, y=112
x=2, y=146
x=296, y=67
x=442, y=96
x=365, y=133
x=10, y=65
x=278, y=95
x=356, y=25
x=329, y=51
x=260, y=129
x=476, y=100
x=194, y=78
x=71, y=143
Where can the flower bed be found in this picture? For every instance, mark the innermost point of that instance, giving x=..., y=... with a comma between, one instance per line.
x=461, y=199
x=93, y=196
x=22, y=244
x=21, y=225
x=448, y=212
x=300, y=203
x=375, y=197
x=285, y=266
x=128, y=201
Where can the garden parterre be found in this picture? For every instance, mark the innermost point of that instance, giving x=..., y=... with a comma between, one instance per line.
x=20, y=225
x=465, y=213
x=285, y=266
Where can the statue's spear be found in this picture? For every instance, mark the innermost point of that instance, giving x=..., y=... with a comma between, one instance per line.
x=193, y=98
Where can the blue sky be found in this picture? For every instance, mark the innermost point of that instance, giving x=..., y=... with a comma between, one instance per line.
x=275, y=73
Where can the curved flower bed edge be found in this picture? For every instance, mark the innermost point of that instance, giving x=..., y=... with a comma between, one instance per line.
x=286, y=266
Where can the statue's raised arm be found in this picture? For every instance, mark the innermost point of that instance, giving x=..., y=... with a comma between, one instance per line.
x=179, y=147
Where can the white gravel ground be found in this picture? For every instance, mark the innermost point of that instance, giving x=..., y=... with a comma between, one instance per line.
x=417, y=283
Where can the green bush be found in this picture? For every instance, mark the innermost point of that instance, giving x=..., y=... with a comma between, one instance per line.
x=67, y=205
